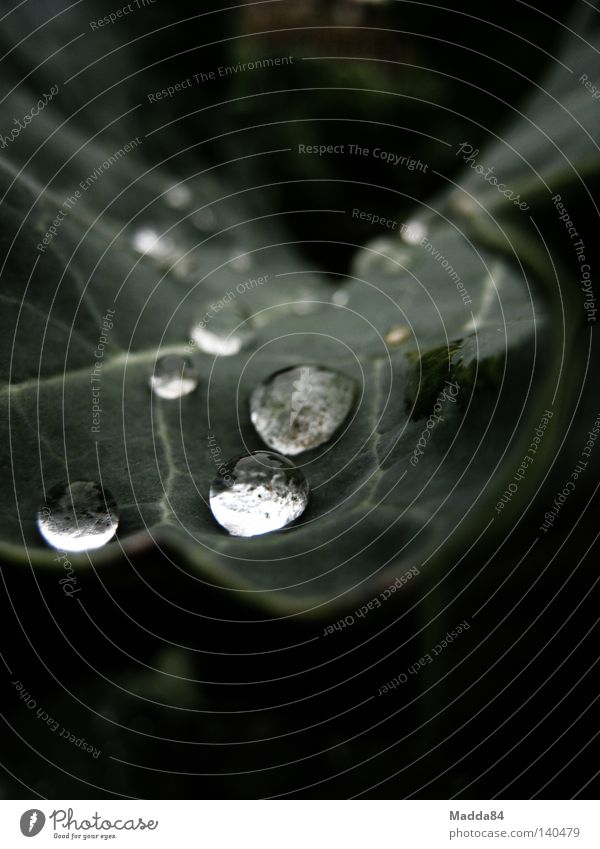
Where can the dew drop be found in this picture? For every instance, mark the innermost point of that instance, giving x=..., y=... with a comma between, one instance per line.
x=78, y=516
x=340, y=298
x=414, y=232
x=397, y=335
x=223, y=330
x=149, y=241
x=464, y=204
x=205, y=220
x=258, y=493
x=301, y=408
x=178, y=196
x=382, y=254
x=173, y=378
x=241, y=262
x=305, y=305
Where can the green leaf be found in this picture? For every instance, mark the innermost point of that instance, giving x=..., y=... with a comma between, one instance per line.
x=372, y=515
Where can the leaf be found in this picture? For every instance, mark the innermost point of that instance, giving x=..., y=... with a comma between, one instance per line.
x=372, y=515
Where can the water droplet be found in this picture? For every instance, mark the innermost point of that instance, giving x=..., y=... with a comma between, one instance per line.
x=241, y=262
x=397, y=335
x=173, y=378
x=305, y=305
x=149, y=241
x=383, y=254
x=78, y=516
x=178, y=196
x=413, y=232
x=258, y=493
x=464, y=204
x=301, y=408
x=223, y=329
x=340, y=298
x=205, y=220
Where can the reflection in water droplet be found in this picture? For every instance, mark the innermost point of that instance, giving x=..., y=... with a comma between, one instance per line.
x=173, y=378
x=149, y=241
x=301, y=408
x=78, y=516
x=223, y=330
x=178, y=196
x=397, y=335
x=413, y=232
x=257, y=493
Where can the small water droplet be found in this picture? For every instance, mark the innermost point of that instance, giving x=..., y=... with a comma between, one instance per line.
x=149, y=241
x=301, y=408
x=462, y=203
x=397, y=335
x=239, y=261
x=258, y=493
x=340, y=298
x=173, y=378
x=78, y=516
x=384, y=254
x=305, y=305
x=414, y=232
x=205, y=220
x=178, y=196
x=223, y=329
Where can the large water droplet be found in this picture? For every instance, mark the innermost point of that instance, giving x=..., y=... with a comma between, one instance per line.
x=301, y=408
x=173, y=378
x=222, y=330
x=78, y=516
x=257, y=493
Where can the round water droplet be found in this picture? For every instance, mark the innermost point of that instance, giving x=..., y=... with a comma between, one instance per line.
x=78, y=516
x=149, y=241
x=205, y=220
x=240, y=261
x=222, y=330
x=173, y=378
x=178, y=196
x=301, y=408
x=414, y=232
x=397, y=335
x=340, y=298
x=258, y=493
